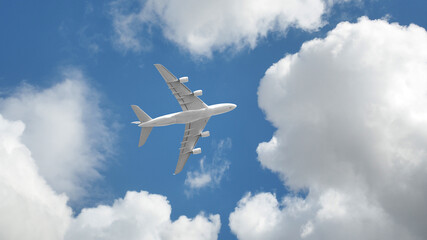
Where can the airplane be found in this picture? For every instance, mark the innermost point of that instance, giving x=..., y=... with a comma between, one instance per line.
x=195, y=114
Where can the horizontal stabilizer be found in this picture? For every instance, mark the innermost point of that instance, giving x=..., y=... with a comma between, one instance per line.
x=145, y=132
x=142, y=116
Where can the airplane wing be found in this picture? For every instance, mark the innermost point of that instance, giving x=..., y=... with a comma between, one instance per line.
x=191, y=136
x=182, y=93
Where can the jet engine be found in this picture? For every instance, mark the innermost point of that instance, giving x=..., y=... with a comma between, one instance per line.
x=183, y=79
x=198, y=93
x=205, y=134
x=196, y=151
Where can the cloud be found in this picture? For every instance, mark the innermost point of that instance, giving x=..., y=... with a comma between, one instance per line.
x=141, y=215
x=65, y=131
x=210, y=174
x=331, y=215
x=29, y=208
x=128, y=27
x=200, y=178
x=202, y=27
x=351, y=131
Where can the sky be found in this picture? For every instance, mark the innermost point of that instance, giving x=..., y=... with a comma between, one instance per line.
x=327, y=141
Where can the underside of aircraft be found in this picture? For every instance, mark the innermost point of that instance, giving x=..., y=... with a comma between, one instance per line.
x=195, y=115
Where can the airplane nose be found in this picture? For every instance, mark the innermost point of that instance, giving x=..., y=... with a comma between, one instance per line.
x=233, y=106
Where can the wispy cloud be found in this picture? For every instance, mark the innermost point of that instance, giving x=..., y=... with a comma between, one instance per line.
x=130, y=28
x=210, y=173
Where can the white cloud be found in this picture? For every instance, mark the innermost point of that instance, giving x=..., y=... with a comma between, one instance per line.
x=141, y=216
x=212, y=173
x=202, y=27
x=65, y=132
x=256, y=217
x=331, y=215
x=351, y=129
x=200, y=178
x=128, y=27
x=29, y=208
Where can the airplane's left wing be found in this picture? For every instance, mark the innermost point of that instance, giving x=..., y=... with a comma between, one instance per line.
x=192, y=133
x=185, y=97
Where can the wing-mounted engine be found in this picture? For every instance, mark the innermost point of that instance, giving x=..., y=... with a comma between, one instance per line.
x=183, y=79
x=198, y=93
x=205, y=134
x=196, y=151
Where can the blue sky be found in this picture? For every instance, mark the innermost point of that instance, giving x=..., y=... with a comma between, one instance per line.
x=310, y=151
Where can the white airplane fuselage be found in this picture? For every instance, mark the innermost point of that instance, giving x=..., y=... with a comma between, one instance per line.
x=188, y=116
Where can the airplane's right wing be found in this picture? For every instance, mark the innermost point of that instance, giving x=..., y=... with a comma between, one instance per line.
x=191, y=136
x=185, y=97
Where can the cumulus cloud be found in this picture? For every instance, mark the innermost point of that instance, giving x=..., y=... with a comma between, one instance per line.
x=141, y=216
x=65, y=131
x=212, y=173
x=201, y=27
x=351, y=129
x=330, y=215
x=29, y=208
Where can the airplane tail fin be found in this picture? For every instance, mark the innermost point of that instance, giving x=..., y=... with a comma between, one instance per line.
x=143, y=117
